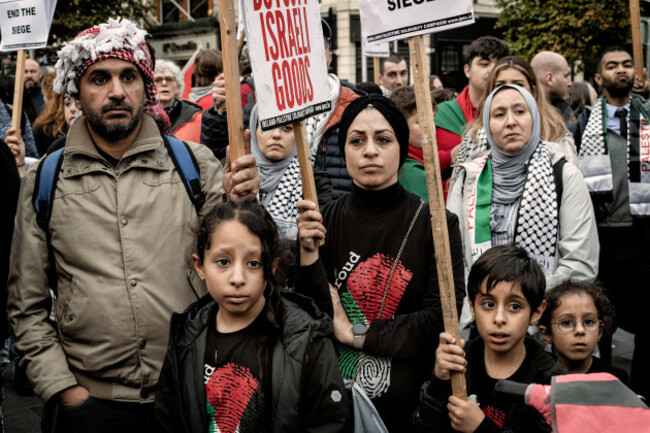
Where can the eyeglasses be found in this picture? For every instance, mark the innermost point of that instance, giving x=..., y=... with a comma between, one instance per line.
x=588, y=325
x=161, y=79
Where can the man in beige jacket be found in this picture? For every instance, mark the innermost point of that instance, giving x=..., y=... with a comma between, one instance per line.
x=120, y=238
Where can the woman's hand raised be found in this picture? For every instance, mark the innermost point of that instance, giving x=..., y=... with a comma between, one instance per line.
x=310, y=229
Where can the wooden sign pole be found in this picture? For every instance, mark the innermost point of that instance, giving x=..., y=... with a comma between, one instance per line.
x=635, y=21
x=436, y=200
x=375, y=64
x=306, y=169
x=231, y=74
x=18, y=91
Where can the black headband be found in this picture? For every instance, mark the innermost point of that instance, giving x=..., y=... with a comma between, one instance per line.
x=388, y=109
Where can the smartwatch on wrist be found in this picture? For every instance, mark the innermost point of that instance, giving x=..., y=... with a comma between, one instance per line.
x=359, y=330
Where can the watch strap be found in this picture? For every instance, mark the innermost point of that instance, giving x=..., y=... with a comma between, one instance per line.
x=357, y=341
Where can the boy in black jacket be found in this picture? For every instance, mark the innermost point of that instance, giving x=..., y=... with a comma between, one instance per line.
x=506, y=292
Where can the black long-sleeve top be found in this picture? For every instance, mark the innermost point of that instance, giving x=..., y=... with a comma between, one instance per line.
x=365, y=230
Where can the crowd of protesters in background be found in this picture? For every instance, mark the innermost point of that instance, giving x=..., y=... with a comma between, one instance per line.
x=144, y=296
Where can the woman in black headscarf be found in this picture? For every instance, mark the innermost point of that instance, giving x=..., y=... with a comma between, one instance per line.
x=379, y=259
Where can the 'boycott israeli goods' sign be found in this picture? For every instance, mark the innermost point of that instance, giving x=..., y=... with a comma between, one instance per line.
x=25, y=24
x=287, y=53
x=390, y=20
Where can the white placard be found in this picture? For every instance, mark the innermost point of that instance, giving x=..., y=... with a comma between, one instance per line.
x=25, y=24
x=378, y=49
x=390, y=20
x=241, y=25
x=287, y=53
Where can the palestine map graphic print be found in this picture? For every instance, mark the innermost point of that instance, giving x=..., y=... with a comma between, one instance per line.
x=362, y=299
x=229, y=392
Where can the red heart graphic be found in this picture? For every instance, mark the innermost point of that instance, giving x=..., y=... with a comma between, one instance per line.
x=367, y=284
x=229, y=390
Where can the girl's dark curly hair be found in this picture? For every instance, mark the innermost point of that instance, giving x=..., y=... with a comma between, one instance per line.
x=594, y=289
x=274, y=251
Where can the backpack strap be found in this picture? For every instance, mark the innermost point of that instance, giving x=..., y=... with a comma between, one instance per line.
x=187, y=168
x=45, y=186
x=558, y=167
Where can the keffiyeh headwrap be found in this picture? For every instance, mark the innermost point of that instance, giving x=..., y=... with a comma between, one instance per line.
x=119, y=39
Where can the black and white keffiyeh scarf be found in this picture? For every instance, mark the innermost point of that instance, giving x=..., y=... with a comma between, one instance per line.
x=505, y=178
x=595, y=160
x=537, y=222
x=536, y=228
x=470, y=149
x=281, y=203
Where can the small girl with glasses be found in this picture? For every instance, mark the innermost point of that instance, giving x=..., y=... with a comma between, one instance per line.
x=578, y=314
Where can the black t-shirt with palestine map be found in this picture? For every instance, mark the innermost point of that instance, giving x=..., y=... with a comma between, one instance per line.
x=236, y=400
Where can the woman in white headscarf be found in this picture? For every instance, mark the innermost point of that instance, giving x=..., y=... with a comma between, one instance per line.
x=524, y=192
x=281, y=185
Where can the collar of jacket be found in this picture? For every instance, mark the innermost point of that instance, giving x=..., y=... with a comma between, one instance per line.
x=299, y=315
x=81, y=156
x=79, y=141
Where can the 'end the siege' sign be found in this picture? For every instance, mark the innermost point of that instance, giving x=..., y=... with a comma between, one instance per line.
x=25, y=24
x=287, y=53
x=390, y=20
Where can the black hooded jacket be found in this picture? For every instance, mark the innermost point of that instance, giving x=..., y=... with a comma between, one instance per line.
x=307, y=391
x=432, y=416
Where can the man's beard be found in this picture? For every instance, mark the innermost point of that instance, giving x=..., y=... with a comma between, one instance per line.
x=618, y=89
x=112, y=132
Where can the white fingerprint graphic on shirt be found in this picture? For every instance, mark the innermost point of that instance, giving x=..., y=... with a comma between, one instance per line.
x=374, y=375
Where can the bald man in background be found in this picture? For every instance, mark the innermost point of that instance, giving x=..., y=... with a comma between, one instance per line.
x=554, y=74
x=32, y=82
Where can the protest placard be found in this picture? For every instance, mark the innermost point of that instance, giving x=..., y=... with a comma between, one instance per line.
x=241, y=26
x=379, y=49
x=415, y=17
x=25, y=24
x=287, y=53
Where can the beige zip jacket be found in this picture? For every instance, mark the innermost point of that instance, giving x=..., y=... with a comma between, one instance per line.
x=121, y=239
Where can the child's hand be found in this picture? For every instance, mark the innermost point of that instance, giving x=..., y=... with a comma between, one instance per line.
x=310, y=227
x=465, y=415
x=449, y=357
